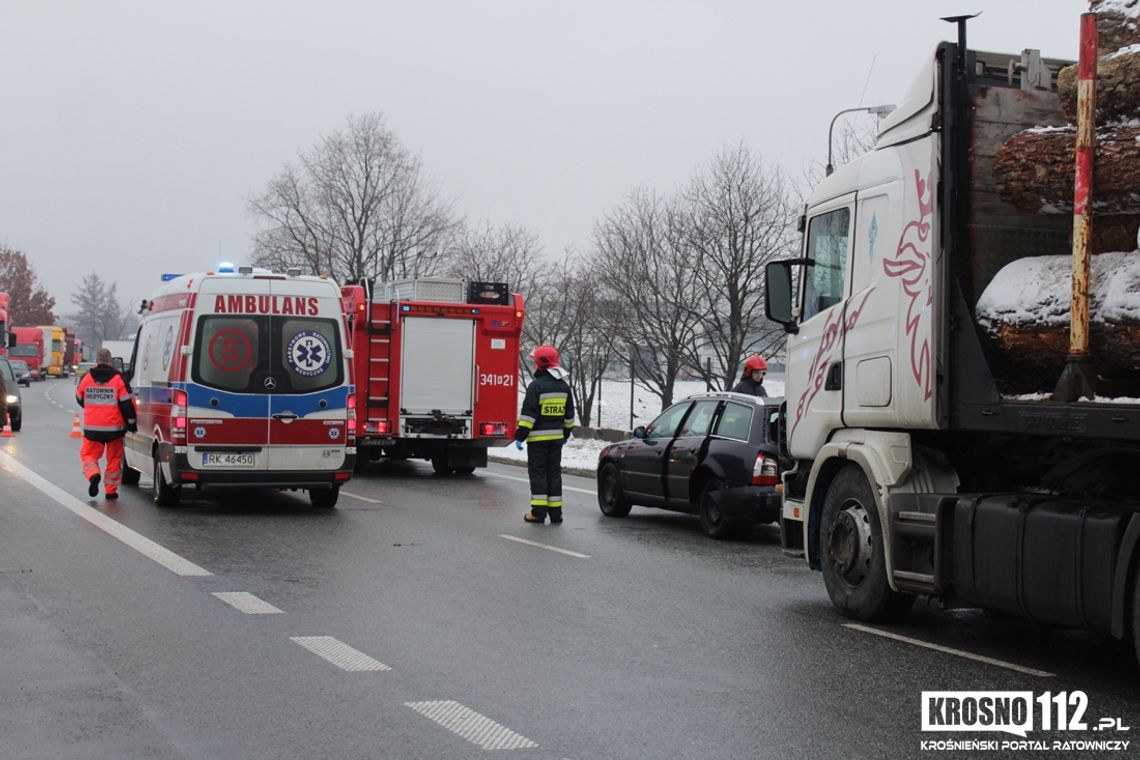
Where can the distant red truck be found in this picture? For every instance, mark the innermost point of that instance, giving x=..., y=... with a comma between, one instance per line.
x=29, y=347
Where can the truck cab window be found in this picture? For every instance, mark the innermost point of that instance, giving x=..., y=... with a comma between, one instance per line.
x=827, y=246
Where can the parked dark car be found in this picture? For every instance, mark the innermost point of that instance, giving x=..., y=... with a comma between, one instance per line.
x=22, y=371
x=715, y=455
x=15, y=408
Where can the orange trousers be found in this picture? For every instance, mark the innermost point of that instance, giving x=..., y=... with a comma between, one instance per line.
x=90, y=453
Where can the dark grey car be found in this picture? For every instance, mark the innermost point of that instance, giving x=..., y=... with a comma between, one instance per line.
x=15, y=408
x=715, y=455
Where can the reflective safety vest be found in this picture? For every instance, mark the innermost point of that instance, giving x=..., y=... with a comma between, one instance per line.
x=547, y=412
x=106, y=402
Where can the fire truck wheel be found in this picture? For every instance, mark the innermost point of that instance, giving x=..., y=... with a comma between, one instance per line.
x=439, y=464
x=324, y=498
x=611, y=499
x=163, y=494
x=130, y=477
x=851, y=548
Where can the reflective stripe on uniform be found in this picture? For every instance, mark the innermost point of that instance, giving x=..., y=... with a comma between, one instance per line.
x=525, y=422
x=536, y=437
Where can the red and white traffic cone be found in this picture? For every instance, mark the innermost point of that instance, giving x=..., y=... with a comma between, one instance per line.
x=76, y=431
x=7, y=428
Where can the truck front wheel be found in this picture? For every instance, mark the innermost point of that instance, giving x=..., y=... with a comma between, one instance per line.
x=853, y=558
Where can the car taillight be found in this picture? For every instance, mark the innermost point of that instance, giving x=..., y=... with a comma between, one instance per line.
x=493, y=429
x=178, y=411
x=765, y=471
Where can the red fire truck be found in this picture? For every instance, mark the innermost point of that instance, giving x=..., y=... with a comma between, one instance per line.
x=437, y=364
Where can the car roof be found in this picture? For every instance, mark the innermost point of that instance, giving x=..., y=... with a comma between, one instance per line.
x=745, y=397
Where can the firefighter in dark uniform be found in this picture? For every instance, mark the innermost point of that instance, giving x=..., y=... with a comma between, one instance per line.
x=545, y=422
x=752, y=382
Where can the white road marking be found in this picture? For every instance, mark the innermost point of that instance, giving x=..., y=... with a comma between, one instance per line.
x=948, y=650
x=544, y=546
x=138, y=542
x=527, y=481
x=362, y=498
x=247, y=603
x=470, y=725
x=339, y=653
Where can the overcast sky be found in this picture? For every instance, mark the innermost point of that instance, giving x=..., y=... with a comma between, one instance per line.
x=133, y=132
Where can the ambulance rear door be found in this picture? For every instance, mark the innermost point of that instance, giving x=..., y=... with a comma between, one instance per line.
x=308, y=407
x=229, y=380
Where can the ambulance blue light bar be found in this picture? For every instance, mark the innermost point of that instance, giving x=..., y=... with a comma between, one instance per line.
x=226, y=266
x=168, y=276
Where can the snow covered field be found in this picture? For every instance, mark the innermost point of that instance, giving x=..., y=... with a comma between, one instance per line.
x=582, y=454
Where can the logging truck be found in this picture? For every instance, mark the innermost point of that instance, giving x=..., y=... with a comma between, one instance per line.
x=929, y=460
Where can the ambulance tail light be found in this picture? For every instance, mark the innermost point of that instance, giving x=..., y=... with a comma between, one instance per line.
x=178, y=411
x=765, y=471
x=493, y=429
x=350, y=423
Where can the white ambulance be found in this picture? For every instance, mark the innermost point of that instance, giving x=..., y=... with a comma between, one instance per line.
x=243, y=378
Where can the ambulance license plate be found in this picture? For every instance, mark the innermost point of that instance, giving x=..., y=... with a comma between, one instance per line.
x=215, y=459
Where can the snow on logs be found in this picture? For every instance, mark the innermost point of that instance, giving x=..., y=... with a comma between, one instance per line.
x=1025, y=310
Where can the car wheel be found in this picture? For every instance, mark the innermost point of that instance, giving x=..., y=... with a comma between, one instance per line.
x=163, y=494
x=853, y=557
x=713, y=521
x=611, y=499
x=324, y=498
x=17, y=422
x=130, y=476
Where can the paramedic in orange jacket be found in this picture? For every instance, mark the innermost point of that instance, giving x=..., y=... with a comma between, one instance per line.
x=108, y=413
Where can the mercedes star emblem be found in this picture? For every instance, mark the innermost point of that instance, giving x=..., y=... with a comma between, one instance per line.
x=270, y=383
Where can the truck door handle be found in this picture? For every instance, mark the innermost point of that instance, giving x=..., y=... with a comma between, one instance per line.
x=834, y=380
x=285, y=417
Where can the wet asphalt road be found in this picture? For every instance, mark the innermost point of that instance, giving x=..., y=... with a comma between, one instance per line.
x=600, y=638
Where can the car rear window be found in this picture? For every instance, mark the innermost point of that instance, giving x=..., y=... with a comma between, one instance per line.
x=735, y=421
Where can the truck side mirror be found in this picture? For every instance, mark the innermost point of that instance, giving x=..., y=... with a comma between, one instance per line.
x=11, y=340
x=778, y=294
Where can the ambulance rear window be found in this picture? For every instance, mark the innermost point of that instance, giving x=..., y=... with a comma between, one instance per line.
x=228, y=351
x=267, y=354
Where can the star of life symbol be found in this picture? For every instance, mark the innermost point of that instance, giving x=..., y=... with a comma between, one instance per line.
x=334, y=433
x=199, y=432
x=309, y=353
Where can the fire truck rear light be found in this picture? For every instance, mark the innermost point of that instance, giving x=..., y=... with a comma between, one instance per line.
x=382, y=427
x=491, y=429
x=765, y=471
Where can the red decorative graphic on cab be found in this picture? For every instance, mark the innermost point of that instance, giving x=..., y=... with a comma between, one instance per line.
x=911, y=266
x=833, y=330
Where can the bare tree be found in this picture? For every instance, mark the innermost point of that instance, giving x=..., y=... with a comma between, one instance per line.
x=509, y=253
x=741, y=216
x=642, y=255
x=588, y=346
x=357, y=206
x=100, y=315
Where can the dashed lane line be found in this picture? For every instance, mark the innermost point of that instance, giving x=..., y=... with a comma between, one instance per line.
x=339, y=653
x=949, y=650
x=247, y=603
x=143, y=545
x=470, y=725
x=527, y=481
x=548, y=547
x=361, y=498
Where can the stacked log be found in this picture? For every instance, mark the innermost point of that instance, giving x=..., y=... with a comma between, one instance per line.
x=1025, y=311
x=1117, y=86
x=1025, y=308
x=1033, y=170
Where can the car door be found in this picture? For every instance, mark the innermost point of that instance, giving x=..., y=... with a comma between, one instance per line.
x=686, y=452
x=643, y=467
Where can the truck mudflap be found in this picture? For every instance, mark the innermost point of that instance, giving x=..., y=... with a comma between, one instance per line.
x=1050, y=559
